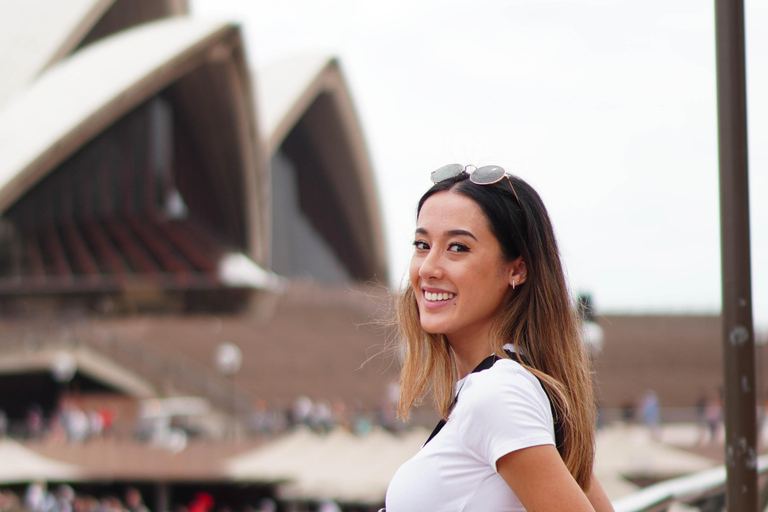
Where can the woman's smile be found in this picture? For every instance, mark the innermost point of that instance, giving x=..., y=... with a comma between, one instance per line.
x=435, y=297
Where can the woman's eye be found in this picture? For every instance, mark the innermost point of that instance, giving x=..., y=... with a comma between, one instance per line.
x=457, y=247
x=420, y=245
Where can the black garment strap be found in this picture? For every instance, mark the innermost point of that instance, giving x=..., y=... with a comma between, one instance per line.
x=484, y=365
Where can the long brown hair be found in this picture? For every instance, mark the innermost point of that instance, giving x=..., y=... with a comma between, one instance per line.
x=538, y=320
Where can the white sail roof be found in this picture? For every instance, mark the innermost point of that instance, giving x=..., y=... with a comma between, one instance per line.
x=34, y=33
x=75, y=99
x=285, y=89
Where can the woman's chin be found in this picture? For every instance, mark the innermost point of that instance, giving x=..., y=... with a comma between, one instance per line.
x=431, y=328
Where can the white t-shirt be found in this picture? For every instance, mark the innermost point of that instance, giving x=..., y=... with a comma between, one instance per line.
x=499, y=410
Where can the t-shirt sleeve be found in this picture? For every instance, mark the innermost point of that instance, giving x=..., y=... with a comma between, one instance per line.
x=503, y=413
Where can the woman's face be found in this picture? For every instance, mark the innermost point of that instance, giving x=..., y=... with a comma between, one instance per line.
x=457, y=272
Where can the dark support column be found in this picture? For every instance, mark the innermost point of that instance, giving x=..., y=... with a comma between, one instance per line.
x=738, y=331
x=162, y=497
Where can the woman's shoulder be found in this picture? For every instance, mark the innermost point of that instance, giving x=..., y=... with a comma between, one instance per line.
x=506, y=403
x=504, y=377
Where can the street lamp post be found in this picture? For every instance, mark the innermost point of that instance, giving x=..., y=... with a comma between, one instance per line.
x=591, y=333
x=228, y=359
x=63, y=369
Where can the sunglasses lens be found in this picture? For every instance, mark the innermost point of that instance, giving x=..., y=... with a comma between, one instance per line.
x=487, y=174
x=446, y=172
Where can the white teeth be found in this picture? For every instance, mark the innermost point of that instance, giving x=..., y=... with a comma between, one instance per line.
x=438, y=296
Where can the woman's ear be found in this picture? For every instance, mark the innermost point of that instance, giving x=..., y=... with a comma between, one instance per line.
x=517, y=272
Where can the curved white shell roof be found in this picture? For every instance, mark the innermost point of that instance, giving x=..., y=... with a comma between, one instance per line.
x=78, y=97
x=33, y=33
x=285, y=89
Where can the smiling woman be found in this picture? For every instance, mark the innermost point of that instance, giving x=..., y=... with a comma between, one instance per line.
x=458, y=274
x=487, y=324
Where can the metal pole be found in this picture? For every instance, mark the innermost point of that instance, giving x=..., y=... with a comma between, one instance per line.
x=738, y=331
x=162, y=497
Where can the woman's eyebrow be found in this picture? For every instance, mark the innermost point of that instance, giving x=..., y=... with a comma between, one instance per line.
x=452, y=232
x=460, y=232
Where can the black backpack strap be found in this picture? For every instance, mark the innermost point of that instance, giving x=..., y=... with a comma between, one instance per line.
x=484, y=365
x=438, y=428
x=559, y=426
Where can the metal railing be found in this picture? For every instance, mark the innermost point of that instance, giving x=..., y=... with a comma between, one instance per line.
x=704, y=491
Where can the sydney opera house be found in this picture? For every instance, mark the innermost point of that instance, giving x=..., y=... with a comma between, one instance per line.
x=167, y=212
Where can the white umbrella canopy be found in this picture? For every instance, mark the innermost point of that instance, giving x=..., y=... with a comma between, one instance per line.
x=361, y=470
x=320, y=474
x=339, y=465
x=383, y=460
x=275, y=461
x=19, y=464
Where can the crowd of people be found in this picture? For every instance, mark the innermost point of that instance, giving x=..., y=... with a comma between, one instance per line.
x=322, y=416
x=709, y=415
x=63, y=498
x=38, y=498
x=71, y=422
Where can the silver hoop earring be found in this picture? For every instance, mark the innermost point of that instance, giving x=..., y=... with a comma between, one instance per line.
x=513, y=284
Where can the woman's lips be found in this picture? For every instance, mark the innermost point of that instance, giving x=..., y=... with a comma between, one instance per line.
x=441, y=296
x=435, y=298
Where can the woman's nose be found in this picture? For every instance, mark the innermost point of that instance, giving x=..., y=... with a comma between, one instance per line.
x=431, y=267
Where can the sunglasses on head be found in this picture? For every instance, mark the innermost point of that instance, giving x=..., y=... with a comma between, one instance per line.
x=486, y=175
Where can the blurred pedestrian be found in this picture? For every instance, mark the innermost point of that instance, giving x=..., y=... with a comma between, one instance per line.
x=628, y=411
x=267, y=505
x=34, y=498
x=34, y=421
x=650, y=412
x=75, y=423
x=713, y=413
x=203, y=502
x=134, y=502
x=301, y=411
x=9, y=502
x=95, y=424
x=328, y=506
x=320, y=417
x=701, y=418
x=65, y=494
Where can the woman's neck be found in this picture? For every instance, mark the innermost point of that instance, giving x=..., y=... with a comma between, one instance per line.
x=469, y=351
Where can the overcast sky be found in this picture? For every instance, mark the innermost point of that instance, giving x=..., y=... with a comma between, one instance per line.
x=607, y=107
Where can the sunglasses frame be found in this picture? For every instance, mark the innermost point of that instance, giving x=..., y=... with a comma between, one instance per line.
x=449, y=171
